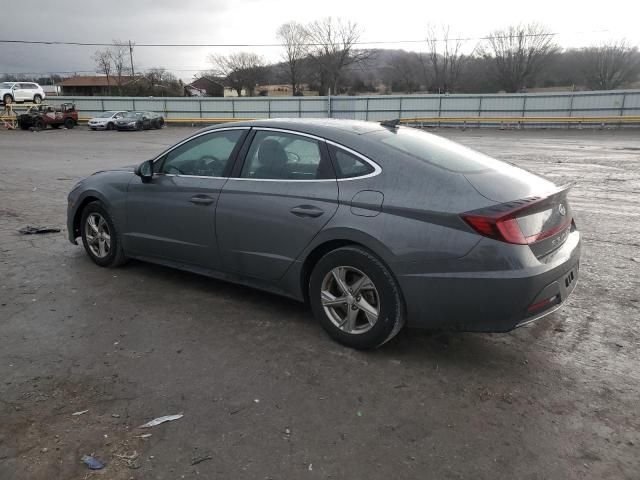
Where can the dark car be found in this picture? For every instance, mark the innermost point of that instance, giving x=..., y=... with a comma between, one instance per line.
x=43, y=115
x=139, y=121
x=374, y=225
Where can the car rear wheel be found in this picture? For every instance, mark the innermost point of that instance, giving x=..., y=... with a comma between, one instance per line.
x=69, y=123
x=100, y=237
x=38, y=124
x=37, y=99
x=109, y=126
x=355, y=298
x=7, y=99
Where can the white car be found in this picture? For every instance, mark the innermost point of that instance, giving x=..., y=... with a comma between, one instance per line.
x=21, y=92
x=106, y=120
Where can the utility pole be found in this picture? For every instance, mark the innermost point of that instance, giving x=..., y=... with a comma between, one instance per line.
x=133, y=73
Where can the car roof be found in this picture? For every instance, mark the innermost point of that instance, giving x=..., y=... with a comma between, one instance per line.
x=329, y=128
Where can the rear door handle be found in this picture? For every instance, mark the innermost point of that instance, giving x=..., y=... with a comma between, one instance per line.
x=202, y=200
x=307, y=211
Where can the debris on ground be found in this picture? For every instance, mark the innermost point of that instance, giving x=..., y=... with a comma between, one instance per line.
x=129, y=459
x=198, y=460
x=81, y=412
x=32, y=230
x=159, y=420
x=92, y=462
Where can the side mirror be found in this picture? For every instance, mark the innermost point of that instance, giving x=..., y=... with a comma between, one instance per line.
x=145, y=170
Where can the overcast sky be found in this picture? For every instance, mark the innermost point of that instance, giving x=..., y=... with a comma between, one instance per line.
x=578, y=23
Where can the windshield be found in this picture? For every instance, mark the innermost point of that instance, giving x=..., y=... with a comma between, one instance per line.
x=133, y=114
x=4, y=85
x=106, y=114
x=436, y=150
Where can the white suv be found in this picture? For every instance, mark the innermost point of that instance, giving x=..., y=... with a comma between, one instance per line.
x=21, y=92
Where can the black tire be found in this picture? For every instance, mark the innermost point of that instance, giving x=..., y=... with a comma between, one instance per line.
x=160, y=123
x=7, y=99
x=109, y=126
x=38, y=124
x=391, y=315
x=139, y=126
x=69, y=123
x=37, y=99
x=115, y=256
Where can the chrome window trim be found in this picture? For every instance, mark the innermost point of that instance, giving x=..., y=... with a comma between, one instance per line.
x=376, y=168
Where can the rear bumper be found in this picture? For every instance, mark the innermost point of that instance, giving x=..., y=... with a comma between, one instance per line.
x=492, y=300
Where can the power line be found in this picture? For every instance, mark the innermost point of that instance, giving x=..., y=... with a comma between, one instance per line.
x=257, y=45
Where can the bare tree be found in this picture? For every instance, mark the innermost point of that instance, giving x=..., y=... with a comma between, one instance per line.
x=518, y=53
x=120, y=57
x=609, y=66
x=242, y=70
x=442, y=63
x=104, y=64
x=403, y=71
x=294, y=38
x=333, y=50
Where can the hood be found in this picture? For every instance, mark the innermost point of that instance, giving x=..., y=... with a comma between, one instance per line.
x=128, y=168
x=503, y=182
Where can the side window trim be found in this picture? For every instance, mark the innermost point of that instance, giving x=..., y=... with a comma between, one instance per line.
x=232, y=159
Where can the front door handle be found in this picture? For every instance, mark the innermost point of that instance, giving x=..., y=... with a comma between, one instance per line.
x=202, y=200
x=307, y=211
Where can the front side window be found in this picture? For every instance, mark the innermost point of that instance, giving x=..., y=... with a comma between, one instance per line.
x=206, y=156
x=285, y=156
x=349, y=165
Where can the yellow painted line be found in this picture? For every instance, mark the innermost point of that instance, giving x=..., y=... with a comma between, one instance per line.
x=521, y=119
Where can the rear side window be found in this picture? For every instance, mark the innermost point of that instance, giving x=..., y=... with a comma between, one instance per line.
x=348, y=165
x=437, y=151
x=285, y=156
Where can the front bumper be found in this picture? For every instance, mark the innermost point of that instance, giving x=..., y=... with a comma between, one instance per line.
x=98, y=126
x=492, y=301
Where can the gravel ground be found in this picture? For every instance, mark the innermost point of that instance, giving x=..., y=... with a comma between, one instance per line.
x=264, y=392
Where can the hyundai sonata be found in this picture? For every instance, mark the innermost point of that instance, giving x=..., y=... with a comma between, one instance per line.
x=375, y=225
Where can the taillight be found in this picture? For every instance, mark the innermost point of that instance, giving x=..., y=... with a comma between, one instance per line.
x=506, y=230
x=539, y=217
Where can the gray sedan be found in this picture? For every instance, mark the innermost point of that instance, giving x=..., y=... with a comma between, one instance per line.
x=374, y=225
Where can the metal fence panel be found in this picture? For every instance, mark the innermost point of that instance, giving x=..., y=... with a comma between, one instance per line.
x=378, y=107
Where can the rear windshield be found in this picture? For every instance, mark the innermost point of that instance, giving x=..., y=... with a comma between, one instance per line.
x=436, y=150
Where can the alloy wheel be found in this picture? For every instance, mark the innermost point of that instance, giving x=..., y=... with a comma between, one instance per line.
x=98, y=235
x=350, y=299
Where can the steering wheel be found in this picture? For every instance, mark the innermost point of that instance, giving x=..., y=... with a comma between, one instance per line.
x=293, y=156
x=173, y=167
x=214, y=163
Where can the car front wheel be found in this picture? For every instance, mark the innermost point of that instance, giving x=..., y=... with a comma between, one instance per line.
x=355, y=298
x=100, y=237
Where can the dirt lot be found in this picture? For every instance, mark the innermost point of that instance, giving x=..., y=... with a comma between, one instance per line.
x=264, y=392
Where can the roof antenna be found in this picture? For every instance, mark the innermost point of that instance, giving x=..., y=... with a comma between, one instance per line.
x=395, y=123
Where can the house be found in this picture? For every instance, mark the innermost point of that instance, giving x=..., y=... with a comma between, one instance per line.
x=204, y=87
x=93, y=85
